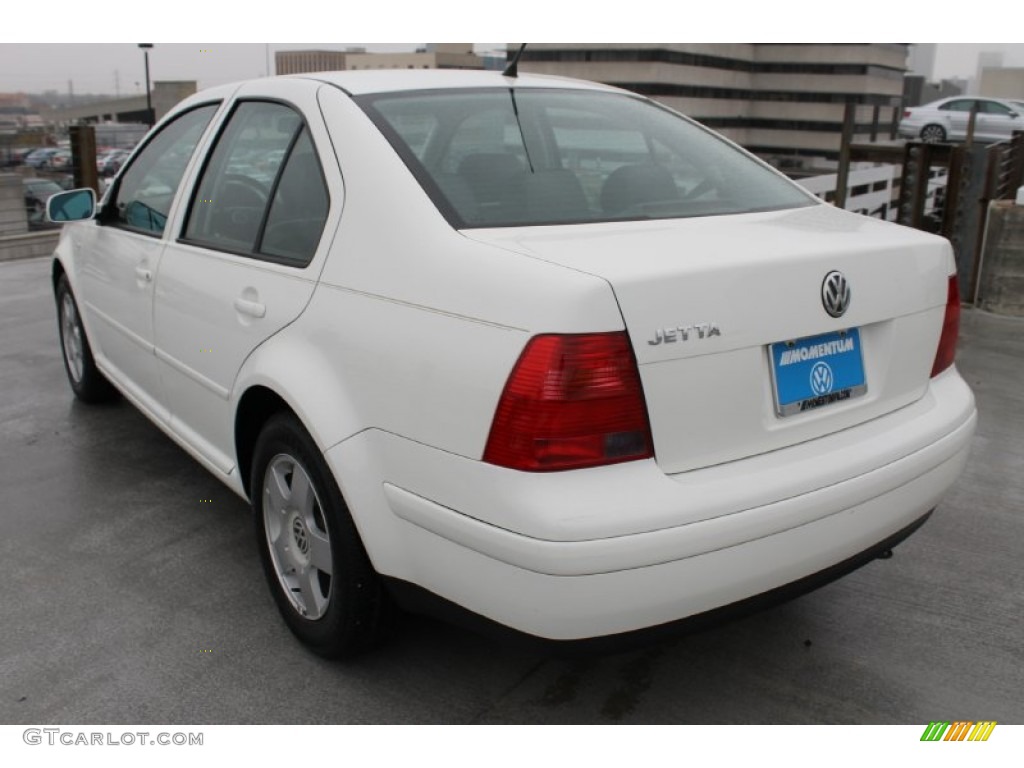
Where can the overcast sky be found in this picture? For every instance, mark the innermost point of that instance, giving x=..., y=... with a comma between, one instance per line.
x=58, y=52
x=111, y=67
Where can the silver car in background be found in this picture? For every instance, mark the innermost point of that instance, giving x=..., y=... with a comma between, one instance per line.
x=947, y=119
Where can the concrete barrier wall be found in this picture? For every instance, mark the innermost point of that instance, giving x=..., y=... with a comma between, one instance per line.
x=29, y=246
x=13, y=220
x=1001, y=286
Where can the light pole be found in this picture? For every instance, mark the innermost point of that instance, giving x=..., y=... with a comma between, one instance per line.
x=149, y=99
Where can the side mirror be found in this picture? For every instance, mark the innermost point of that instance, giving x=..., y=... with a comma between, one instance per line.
x=75, y=205
x=1014, y=115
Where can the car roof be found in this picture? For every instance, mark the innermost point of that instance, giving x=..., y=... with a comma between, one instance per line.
x=971, y=96
x=383, y=81
x=357, y=83
x=391, y=80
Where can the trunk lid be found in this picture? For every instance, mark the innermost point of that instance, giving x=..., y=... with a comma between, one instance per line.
x=704, y=299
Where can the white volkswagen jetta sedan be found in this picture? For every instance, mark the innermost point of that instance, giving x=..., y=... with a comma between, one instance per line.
x=533, y=351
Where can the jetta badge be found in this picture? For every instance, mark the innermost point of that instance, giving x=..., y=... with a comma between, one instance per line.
x=835, y=293
x=684, y=333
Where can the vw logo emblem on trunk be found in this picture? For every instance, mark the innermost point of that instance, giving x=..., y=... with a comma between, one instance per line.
x=835, y=293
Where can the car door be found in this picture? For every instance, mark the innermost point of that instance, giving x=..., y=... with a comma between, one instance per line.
x=248, y=255
x=958, y=115
x=117, y=258
x=996, y=121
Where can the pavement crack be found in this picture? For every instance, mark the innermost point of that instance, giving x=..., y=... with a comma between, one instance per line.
x=530, y=672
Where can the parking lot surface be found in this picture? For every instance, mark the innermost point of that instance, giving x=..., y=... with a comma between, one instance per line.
x=133, y=592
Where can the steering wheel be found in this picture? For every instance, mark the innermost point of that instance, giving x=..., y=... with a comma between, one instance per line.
x=256, y=190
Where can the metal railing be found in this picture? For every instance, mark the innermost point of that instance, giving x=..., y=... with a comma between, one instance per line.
x=941, y=188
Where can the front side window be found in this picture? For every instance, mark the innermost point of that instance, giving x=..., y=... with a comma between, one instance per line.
x=147, y=188
x=262, y=193
x=993, y=108
x=501, y=157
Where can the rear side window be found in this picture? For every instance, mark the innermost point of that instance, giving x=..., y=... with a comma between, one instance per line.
x=525, y=157
x=147, y=188
x=960, y=105
x=262, y=192
x=299, y=209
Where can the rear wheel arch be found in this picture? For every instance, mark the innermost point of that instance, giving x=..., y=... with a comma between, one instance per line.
x=257, y=405
x=255, y=408
x=287, y=374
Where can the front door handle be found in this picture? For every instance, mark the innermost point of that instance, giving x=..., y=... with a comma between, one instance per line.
x=251, y=308
x=144, y=274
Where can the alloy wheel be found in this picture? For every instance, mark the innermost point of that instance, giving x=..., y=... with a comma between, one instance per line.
x=71, y=336
x=297, y=536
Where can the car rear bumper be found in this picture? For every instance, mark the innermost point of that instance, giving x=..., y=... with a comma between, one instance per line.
x=418, y=600
x=641, y=548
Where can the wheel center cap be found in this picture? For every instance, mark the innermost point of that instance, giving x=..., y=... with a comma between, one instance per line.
x=300, y=536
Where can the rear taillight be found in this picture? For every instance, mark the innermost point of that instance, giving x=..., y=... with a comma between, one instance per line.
x=571, y=401
x=906, y=113
x=946, y=352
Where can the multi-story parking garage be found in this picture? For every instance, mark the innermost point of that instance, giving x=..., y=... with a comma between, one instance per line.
x=783, y=101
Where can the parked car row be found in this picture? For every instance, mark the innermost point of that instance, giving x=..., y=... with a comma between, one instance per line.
x=108, y=159
x=109, y=162
x=48, y=157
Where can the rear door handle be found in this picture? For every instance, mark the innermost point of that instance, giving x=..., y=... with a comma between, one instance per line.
x=144, y=274
x=251, y=308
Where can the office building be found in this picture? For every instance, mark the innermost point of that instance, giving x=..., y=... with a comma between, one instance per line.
x=432, y=56
x=1002, y=82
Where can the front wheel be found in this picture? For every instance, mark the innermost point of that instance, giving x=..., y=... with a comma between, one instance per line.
x=319, y=574
x=88, y=384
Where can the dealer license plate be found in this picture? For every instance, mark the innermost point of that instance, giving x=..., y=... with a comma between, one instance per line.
x=817, y=371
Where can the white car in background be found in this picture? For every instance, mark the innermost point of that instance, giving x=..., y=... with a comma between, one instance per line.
x=534, y=351
x=947, y=119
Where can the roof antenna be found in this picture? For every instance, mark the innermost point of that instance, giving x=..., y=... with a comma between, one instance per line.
x=512, y=70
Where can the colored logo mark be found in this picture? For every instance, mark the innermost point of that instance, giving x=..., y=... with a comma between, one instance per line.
x=821, y=378
x=960, y=730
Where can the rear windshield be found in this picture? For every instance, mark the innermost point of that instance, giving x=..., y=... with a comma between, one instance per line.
x=523, y=157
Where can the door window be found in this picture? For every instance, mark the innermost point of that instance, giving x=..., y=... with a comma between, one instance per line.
x=299, y=210
x=960, y=105
x=994, y=108
x=262, y=193
x=147, y=188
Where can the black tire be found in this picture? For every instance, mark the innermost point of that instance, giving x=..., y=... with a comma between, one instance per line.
x=933, y=134
x=88, y=384
x=336, y=614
